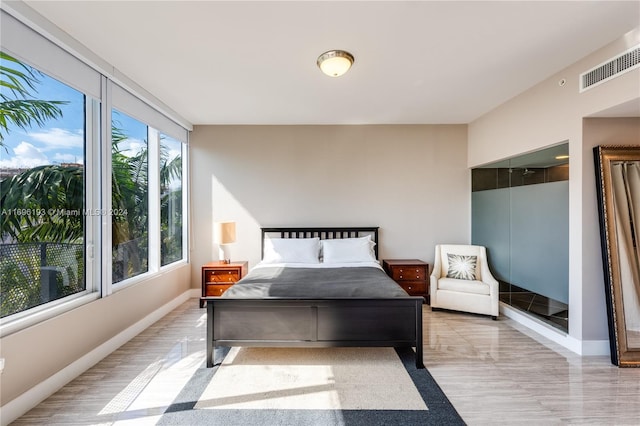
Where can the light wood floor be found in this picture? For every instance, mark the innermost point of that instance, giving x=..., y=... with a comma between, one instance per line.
x=494, y=372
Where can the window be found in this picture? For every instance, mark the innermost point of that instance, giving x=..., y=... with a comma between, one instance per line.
x=130, y=197
x=171, y=199
x=154, y=164
x=42, y=188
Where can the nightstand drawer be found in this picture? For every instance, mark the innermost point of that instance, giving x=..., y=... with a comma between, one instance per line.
x=414, y=288
x=215, y=289
x=409, y=273
x=222, y=275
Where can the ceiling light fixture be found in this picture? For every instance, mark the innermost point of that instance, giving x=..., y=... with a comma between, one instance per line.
x=561, y=157
x=335, y=63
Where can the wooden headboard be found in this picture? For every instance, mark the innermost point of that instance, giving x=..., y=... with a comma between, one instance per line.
x=324, y=233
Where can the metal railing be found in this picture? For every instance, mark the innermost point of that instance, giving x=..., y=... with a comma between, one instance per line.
x=32, y=274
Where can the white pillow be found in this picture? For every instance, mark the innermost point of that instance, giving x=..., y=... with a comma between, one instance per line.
x=291, y=250
x=348, y=250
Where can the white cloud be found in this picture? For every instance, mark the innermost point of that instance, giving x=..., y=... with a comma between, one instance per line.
x=68, y=158
x=26, y=156
x=56, y=138
x=173, y=153
x=132, y=147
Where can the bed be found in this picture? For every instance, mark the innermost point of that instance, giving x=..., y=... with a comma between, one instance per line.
x=333, y=300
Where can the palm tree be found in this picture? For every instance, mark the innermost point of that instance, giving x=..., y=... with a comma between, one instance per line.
x=129, y=199
x=51, y=200
x=44, y=192
x=16, y=106
x=170, y=207
x=54, y=193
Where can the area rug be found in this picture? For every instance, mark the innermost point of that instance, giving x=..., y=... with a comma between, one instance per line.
x=312, y=386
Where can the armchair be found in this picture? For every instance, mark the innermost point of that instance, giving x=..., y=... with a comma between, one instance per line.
x=461, y=280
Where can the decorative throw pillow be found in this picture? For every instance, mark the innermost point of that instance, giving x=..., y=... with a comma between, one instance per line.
x=462, y=267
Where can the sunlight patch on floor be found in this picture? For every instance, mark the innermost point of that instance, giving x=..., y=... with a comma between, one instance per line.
x=318, y=378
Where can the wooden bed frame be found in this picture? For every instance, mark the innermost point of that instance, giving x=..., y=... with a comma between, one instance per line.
x=325, y=322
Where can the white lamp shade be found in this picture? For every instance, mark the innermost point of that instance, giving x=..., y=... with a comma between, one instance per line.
x=335, y=63
x=224, y=232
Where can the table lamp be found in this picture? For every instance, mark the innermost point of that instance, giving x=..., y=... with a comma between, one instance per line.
x=224, y=234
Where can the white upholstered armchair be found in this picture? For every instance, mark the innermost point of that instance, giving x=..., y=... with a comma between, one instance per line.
x=461, y=280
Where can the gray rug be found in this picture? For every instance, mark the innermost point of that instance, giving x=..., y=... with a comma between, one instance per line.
x=324, y=386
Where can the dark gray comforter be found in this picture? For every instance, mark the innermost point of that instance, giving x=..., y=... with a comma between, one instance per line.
x=315, y=283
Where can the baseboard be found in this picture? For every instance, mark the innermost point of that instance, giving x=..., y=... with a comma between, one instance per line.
x=580, y=347
x=34, y=396
x=596, y=348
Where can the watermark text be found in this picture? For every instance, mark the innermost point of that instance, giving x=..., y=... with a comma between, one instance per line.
x=64, y=212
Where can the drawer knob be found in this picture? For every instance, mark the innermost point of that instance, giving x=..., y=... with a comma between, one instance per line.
x=410, y=288
x=418, y=277
x=400, y=276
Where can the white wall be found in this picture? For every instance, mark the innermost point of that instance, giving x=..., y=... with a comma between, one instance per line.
x=412, y=181
x=547, y=114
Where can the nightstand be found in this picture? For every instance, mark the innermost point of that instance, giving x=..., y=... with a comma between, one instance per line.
x=410, y=274
x=219, y=276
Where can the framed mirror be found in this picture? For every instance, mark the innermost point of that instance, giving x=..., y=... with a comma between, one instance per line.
x=618, y=188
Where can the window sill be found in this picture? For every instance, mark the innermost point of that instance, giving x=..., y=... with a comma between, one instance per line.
x=44, y=312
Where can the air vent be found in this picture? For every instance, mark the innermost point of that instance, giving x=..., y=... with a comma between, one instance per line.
x=610, y=69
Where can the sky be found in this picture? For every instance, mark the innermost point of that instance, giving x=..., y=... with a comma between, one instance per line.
x=59, y=141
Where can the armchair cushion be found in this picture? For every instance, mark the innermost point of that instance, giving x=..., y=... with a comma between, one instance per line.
x=465, y=286
x=462, y=267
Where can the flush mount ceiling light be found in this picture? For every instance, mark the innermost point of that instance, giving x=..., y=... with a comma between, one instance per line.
x=334, y=63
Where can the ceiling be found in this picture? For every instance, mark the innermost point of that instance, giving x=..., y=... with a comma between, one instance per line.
x=416, y=62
